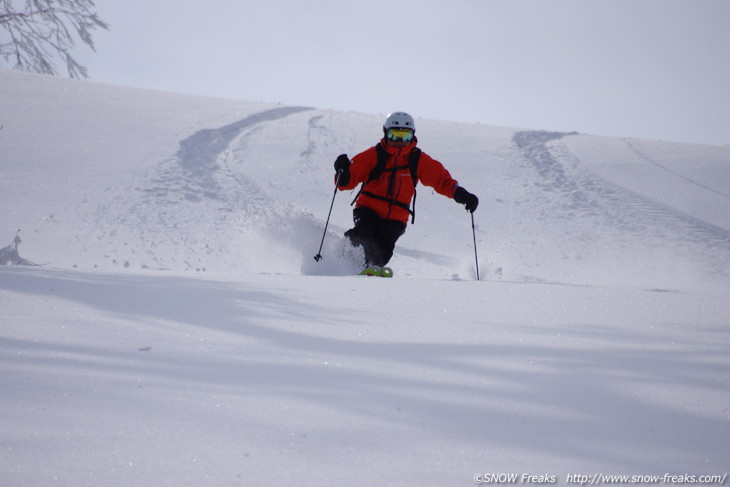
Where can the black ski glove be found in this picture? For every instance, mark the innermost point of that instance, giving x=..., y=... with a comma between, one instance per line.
x=342, y=166
x=467, y=199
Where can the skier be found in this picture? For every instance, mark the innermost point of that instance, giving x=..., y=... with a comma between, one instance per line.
x=389, y=172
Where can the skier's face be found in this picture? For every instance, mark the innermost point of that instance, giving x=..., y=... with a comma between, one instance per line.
x=397, y=143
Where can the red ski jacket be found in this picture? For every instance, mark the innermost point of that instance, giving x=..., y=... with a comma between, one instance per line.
x=390, y=194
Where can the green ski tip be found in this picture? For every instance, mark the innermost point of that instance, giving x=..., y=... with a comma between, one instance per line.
x=377, y=271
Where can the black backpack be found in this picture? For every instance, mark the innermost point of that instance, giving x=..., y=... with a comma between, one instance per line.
x=378, y=170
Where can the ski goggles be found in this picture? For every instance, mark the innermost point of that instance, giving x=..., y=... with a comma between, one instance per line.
x=397, y=134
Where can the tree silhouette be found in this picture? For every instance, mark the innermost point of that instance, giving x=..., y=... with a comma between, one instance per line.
x=41, y=31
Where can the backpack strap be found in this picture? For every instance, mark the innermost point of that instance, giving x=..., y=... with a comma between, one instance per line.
x=377, y=171
x=413, y=159
x=380, y=165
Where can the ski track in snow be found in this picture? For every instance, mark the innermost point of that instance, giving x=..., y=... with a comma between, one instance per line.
x=199, y=154
x=202, y=168
x=570, y=191
x=216, y=211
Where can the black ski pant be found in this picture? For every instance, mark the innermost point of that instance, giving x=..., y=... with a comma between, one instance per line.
x=376, y=235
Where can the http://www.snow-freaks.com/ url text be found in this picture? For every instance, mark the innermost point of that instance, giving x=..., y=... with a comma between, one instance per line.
x=599, y=479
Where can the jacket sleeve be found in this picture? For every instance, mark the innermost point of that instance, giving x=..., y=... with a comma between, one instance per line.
x=433, y=174
x=362, y=165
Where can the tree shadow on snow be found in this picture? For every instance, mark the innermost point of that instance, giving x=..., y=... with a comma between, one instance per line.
x=585, y=401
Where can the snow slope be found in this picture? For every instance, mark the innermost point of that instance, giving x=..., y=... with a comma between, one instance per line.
x=182, y=334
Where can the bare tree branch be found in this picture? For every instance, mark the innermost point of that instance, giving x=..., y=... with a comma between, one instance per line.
x=45, y=30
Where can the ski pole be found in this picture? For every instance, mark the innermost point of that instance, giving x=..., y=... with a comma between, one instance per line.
x=318, y=257
x=474, y=234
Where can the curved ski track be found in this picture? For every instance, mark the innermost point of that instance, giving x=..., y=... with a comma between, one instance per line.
x=574, y=191
x=192, y=200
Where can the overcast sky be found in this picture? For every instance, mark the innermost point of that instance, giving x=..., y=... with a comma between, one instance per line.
x=657, y=69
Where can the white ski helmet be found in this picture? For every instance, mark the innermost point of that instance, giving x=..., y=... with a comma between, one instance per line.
x=399, y=120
